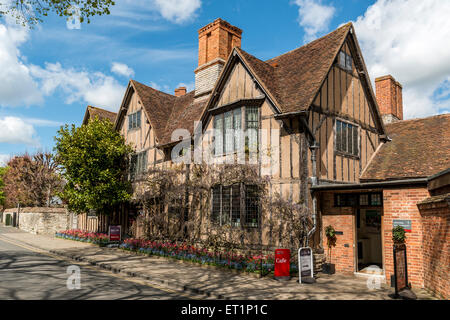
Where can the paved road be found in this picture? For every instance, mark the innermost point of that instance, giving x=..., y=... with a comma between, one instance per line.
x=29, y=274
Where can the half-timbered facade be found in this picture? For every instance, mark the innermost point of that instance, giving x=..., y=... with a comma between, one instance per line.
x=312, y=122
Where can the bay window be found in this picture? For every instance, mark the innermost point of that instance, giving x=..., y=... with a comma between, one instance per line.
x=228, y=128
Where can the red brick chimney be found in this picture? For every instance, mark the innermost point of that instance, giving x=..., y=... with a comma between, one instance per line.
x=389, y=98
x=181, y=91
x=215, y=43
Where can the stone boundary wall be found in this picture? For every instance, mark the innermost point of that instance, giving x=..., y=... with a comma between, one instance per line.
x=43, y=220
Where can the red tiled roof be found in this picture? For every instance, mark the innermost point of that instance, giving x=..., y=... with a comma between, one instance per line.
x=168, y=112
x=419, y=148
x=292, y=79
x=92, y=112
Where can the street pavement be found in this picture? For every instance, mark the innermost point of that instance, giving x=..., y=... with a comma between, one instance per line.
x=27, y=273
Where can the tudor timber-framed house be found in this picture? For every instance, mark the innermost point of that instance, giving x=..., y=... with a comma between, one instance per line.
x=310, y=95
x=338, y=144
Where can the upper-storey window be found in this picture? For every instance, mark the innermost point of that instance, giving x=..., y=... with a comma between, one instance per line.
x=228, y=131
x=225, y=124
x=347, y=138
x=345, y=61
x=134, y=120
x=138, y=164
x=252, y=125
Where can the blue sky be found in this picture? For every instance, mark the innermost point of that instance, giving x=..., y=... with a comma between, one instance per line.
x=50, y=74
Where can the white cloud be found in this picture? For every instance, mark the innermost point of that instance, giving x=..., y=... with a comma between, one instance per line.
x=314, y=17
x=122, y=69
x=178, y=11
x=43, y=122
x=95, y=88
x=144, y=14
x=16, y=130
x=4, y=158
x=164, y=88
x=189, y=86
x=409, y=39
x=17, y=87
x=26, y=84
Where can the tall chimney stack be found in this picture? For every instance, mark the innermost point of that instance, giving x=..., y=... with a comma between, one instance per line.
x=389, y=98
x=215, y=43
x=181, y=91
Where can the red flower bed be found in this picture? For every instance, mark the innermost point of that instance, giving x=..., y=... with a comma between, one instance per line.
x=85, y=236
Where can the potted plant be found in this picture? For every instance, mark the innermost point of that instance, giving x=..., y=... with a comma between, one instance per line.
x=330, y=233
x=398, y=236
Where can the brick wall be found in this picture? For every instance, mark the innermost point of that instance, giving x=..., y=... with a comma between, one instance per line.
x=342, y=219
x=402, y=204
x=436, y=249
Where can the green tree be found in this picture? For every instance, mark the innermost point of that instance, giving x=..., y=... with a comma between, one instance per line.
x=31, y=12
x=31, y=180
x=2, y=186
x=94, y=161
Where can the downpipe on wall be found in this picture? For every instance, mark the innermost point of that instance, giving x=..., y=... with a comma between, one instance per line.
x=313, y=146
x=313, y=149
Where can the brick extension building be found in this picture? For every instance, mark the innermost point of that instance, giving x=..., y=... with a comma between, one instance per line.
x=347, y=154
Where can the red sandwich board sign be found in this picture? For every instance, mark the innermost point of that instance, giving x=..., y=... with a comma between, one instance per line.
x=114, y=233
x=282, y=264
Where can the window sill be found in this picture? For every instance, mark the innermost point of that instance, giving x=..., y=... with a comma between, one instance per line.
x=347, y=155
x=133, y=129
x=343, y=69
x=245, y=226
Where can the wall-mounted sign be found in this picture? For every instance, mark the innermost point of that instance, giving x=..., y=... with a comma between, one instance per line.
x=339, y=233
x=305, y=264
x=115, y=233
x=406, y=224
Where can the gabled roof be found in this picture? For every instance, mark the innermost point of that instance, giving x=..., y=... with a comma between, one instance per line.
x=165, y=112
x=92, y=112
x=293, y=80
x=157, y=104
x=419, y=148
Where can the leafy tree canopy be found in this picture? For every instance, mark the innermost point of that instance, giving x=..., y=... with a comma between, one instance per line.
x=31, y=12
x=94, y=160
x=31, y=180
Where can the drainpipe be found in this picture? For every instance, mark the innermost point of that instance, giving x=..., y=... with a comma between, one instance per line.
x=313, y=146
x=313, y=149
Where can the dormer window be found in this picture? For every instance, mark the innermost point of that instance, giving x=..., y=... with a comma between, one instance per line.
x=345, y=61
x=134, y=120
